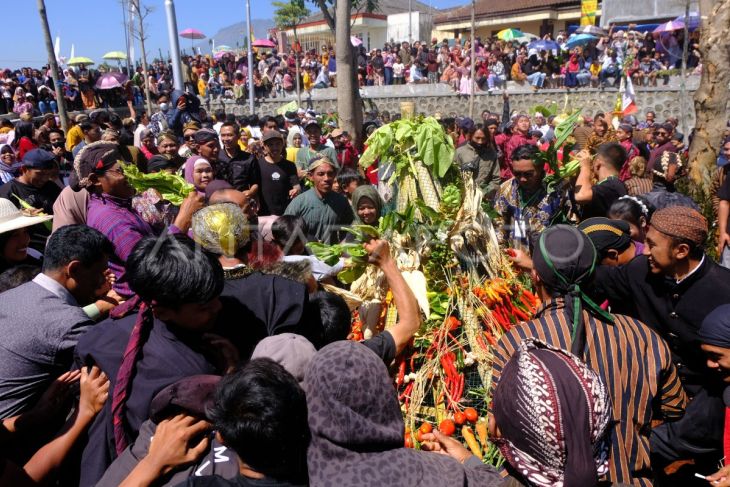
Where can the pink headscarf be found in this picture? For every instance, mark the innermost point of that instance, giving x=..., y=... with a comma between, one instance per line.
x=190, y=165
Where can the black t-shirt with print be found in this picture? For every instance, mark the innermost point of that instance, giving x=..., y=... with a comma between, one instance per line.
x=277, y=179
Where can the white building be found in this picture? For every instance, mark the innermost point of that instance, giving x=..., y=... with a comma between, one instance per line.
x=373, y=28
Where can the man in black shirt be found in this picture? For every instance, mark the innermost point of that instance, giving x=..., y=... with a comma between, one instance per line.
x=278, y=183
x=34, y=186
x=595, y=200
x=236, y=166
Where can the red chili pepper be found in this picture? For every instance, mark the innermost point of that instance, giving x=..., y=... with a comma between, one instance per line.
x=511, y=253
x=401, y=371
x=406, y=392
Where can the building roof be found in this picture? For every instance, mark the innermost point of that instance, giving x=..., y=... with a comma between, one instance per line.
x=496, y=8
x=385, y=7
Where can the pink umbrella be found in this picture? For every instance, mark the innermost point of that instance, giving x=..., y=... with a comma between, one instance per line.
x=218, y=55
x=111, y=80
x=263, y=43
x=192, y=34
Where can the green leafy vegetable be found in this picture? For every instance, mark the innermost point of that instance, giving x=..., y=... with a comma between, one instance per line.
x=171, y=187
x=565, y=128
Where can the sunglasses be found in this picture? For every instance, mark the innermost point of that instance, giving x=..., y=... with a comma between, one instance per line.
x=188, y=137
x=526, y=174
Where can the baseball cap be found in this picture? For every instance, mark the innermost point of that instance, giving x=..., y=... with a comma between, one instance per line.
x=336, y=133
x=271, y=134
x=39, y=159
x=293, y=352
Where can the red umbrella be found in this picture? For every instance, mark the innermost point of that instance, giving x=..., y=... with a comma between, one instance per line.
x=192, y=34
x=263, y=43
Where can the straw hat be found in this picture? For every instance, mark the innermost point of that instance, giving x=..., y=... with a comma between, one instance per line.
x=12, y=218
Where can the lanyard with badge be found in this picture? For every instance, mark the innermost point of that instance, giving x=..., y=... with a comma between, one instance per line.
x=520, y=223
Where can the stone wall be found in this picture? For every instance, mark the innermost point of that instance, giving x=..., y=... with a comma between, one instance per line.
x=662, y=100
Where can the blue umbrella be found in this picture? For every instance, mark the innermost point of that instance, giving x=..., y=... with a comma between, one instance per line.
x=694, y=20
x=544, y=45
x=579, y=40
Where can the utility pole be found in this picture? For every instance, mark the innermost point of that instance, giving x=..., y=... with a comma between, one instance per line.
x=251, y=107
x=473, y=59
x=174, y=45
x=53, y=65
x=126, y=36
x=683, y=81
x=410, y=23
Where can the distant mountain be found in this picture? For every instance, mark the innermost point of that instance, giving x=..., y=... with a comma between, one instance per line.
x=234, y=34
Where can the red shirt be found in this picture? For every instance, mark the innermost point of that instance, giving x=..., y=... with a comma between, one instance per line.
x=24, y=146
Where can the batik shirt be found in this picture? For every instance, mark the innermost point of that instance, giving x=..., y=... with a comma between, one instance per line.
x=520, y=218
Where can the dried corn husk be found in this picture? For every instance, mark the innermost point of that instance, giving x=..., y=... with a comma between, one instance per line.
x=353, y=300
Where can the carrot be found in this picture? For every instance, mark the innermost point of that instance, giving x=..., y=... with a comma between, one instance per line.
x=481, y=428
x=471, y=441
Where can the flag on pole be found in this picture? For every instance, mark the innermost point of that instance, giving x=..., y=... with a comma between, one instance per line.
x=628, y=104
x=588, y=12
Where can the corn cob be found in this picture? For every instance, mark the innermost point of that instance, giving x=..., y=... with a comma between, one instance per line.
x=391, y=317
x=425, y=184
x=402, y=200
x=410, y=183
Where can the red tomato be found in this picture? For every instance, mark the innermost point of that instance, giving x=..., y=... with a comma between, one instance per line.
x=471, y=415
x=459, y=418
x=409, y=441
x=447, y=427
x=425, y=428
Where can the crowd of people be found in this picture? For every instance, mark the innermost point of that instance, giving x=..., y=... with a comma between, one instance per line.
x=644, y=57
x=148, y=343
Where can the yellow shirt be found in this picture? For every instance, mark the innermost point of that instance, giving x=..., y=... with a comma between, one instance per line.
x=595, y=69
x=74, y=137
x=291, y=153
x=202, y=86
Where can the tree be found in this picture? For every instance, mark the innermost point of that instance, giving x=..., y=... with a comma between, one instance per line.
x=53, y=64
x=288, y=16
x=712, y=96
x=349, y=103
x=142, y=11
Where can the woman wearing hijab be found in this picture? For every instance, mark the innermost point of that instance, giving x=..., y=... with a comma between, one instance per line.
x=9, y=165
x=147, y=144
x=367, y=205
x=198, y=172
x=551, y=419
x=357, y=428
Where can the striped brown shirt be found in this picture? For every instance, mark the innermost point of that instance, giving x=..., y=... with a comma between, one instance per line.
x=636, y=186
x=635, y=364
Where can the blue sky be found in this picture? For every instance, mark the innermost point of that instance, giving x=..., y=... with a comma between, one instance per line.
x=95, y=26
